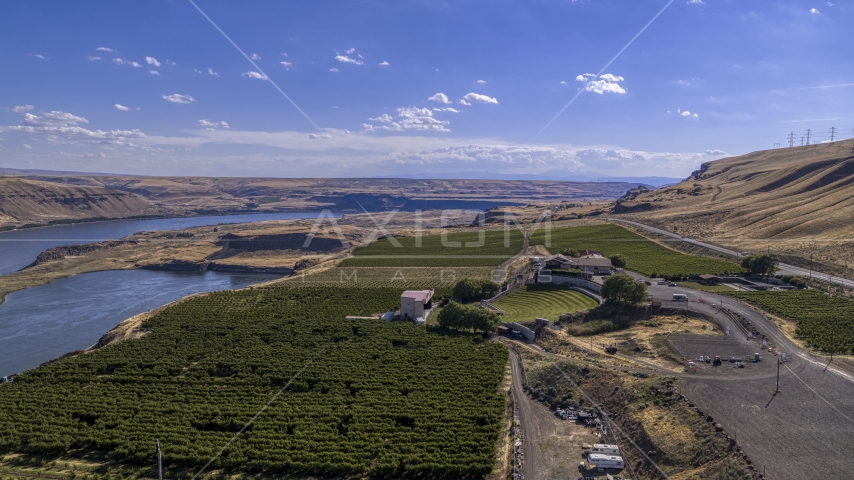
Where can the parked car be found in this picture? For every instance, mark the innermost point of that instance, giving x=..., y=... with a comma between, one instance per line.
x=662, y=282
x=671, y=284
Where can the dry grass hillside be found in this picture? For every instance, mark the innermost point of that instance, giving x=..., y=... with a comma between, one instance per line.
x=27, y=201
x=798, y=202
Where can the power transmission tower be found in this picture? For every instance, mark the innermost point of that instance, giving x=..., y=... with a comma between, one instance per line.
x=809, y=131
x=832, y=133
x=802, y=140
x=776, y=145
x=791, y=139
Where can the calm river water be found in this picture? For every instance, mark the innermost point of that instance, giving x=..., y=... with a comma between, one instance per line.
x=45, y=322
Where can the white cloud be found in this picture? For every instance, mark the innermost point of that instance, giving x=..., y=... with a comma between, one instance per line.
x=122, y=61
x=105, y=49
x=606, y=83
x=384, y=63
x=27, y=146
x=439, y=98
x=350, y=51
x=284, y=54
x=463, y=102
x=333, y=69
x=478, y=98
x=63, y=127
x=154, y=72
x=480, y=82
x=121, y=107
x=346, y=59
x=695, y=2
x=313, y=136
x=408, y=118
x=446, y=109
x=211, y=72
x=224, y=124
x=686, y=113
x=22, y=108
x=93, y=59
x=178, y=98
x=152, y=61
x=814, y=10
x=563, y=82
x=255, y=56
x=255, y=75
x=287, y=65
x=39, y=56
x=715, y=152
x=170, y=62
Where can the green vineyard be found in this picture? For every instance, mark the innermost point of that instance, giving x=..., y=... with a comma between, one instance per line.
x=825, y=322
x=642, y=255
x=484, y=248
x=359, y=397
x=532, y=301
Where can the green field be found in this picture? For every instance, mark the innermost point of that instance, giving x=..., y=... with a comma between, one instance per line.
x=360, y=397
x=532, y=301
x=442, y=279
x=642, y=254
x=825, y=322
x=491, y=250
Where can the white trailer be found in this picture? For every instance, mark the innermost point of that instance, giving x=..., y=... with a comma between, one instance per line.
x=606, y=461
x=680, y=297
x=605, y=449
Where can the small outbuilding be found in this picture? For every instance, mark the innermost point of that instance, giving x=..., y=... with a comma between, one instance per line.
x=707, y=279
x=413, y=303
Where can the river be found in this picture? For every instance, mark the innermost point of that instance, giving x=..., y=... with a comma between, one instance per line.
x=45, y=322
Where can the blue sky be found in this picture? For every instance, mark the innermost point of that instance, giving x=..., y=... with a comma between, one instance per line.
x=422, y=87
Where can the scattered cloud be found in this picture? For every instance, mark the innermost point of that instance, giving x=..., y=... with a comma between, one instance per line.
x=811, y=120
x=255, y=75
x=287, y=65
x=105, y=49
x=313, y=136
x=178, y=98
x=170, y=62
x=64, y=127
x=39, y=56
x=350, y=51
x=152, y=61
x=695, y=2
x=408, y=118
x=446, y=109
x=211, y=72
x=478, y=98
x=480, y=82
x=715, y=152
x=333, y=70
x=563, y=82
x=463, y=102
x=255, y=56
x=830, y=86
x=122, y=61
x=22, y=108
x=439, y=98
x=211, y=125
x=384, y=63
x=154, y=72
x=27, y=146
x=284, y=54
x=686, y=113
x=814, y=10
x=121, y=107
x=93, y=59
x=346, y=59
x=606, y=83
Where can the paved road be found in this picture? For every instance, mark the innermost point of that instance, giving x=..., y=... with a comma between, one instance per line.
x=784, y=268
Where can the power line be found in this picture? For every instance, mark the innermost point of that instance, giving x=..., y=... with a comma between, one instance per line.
x=809, y=132
x=832, y=133
x=791, y=139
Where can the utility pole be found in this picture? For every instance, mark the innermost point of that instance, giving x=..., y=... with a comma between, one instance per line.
x=776, y=145
x=832, y=133
x=777, y=389
x=809, y=132
x=159, y=461
x=791, y=139
x=802, y=140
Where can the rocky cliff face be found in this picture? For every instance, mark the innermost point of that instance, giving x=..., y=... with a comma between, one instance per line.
x=26, y=201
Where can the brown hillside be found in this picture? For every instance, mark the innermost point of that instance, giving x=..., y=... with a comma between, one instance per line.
x=27, y=201
x=796, y=201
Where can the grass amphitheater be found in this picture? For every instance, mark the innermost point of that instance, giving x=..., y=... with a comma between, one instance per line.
x=532, y=301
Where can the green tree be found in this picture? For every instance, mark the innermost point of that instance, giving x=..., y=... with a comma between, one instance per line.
x=623, y=289
x=764, y=264
x=569, y=252
x=475, y=289
x=618, y=261
x=462, y=317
